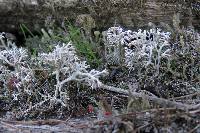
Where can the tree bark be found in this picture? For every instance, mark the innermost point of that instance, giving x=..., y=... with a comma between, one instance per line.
x=104, y=13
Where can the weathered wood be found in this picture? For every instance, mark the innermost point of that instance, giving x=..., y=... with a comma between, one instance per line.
x=130, y=13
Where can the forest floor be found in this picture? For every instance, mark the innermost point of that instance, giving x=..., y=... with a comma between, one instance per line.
x=167, y=120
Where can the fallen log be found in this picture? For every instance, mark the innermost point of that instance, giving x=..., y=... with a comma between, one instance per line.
x=104, y=13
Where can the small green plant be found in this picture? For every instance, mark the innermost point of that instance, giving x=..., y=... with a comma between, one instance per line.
x=36, y=43
x=83, y=46
x=47, y=38
x=26, y=30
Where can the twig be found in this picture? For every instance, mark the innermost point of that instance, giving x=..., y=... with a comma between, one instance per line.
x=39, y=122
x=195, y=111
x=9, y=126
x=141, y=127
x=194, y=129
x=197, y=106
x=43, y=127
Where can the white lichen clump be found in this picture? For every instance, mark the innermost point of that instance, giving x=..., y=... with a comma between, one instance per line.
x=65, y=63
x=15, y=71
x=18, y=74
x=147, y=47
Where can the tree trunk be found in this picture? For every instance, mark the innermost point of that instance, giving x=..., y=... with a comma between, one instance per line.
x=90, y=13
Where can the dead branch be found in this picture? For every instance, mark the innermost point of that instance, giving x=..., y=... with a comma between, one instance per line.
x=186, y=96
x=159, y=101
x=114, y=89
